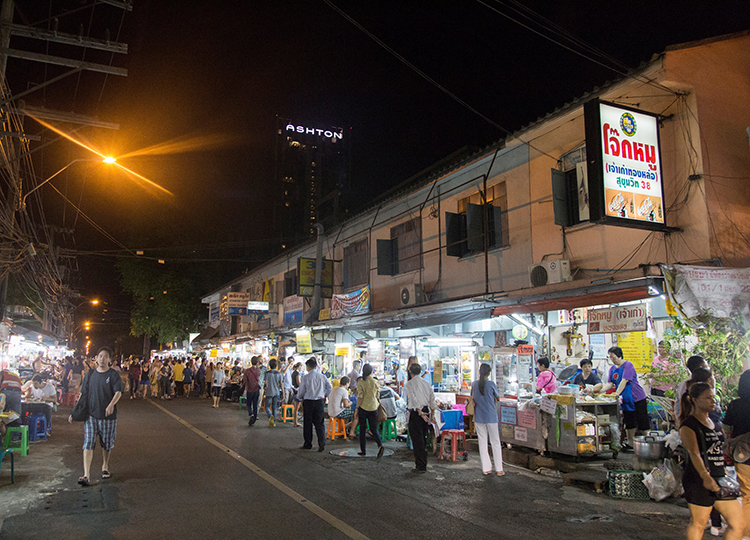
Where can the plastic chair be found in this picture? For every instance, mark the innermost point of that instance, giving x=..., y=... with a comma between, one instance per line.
x=336, y=428
x=453, y=435
x=243, y=400
x=12, y=464
x=37, y=427
x=388, y=430
x=287, y=413
x=22, y=444
x=69, y=399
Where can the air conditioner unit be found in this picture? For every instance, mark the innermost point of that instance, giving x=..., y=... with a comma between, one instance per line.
x=548, y=272
x=412, y=294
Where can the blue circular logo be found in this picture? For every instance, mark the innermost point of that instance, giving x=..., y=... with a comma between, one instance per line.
x=627, y=124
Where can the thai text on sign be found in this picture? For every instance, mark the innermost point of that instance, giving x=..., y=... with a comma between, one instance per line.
x=618, y=319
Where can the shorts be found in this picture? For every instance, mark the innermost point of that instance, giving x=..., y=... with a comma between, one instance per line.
x=144, y=383
x=105, y=429
x=637, y=418
x=346, y=414
x=216, y=391
x=698, y=495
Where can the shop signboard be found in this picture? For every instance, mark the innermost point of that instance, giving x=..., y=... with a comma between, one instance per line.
x=324, y=314
x=264, y=324
x=527, y=419
x=306, y=273
x=304, y=343
x=624, y=166
x=293, y=306
x=214, y=313
x=257, y=307
x=353, y=303
x=237, y=303
x=437, y=375
x=638, y=349
x=612, y=320
x=375, y=351
x=508, y=415
x=598, y=345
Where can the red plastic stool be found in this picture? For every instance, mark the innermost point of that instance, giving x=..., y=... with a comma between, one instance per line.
x=69, y=400
x=453, y=435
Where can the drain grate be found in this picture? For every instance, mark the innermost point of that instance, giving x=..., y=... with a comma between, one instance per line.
x=72, y=502
x=592, y=518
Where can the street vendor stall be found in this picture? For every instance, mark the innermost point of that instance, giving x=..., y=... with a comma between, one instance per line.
x=582, y=426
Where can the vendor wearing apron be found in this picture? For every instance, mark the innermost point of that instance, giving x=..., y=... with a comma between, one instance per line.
x=633, y=404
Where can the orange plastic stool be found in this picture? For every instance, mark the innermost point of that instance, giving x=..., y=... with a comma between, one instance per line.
x=336, y=428
x=453, y=435
x=287, y=413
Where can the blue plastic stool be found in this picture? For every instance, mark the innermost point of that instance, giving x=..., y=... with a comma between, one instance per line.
x=37, y=427
x=12, y=464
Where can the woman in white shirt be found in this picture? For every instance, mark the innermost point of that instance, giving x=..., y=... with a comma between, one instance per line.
x=218, y=383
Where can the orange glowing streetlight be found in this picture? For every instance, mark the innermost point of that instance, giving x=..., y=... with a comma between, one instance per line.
x=95, y=302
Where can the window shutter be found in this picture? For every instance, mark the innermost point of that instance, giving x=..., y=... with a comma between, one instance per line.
x=560, y=198
x=455, y=234
x=495, y=226
x=475, y=228
x=387, y=257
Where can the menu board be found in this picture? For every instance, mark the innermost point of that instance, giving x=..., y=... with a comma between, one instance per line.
x=638, y=349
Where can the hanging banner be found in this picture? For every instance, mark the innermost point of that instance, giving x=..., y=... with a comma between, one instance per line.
x=304, y=343
x=624, y=165
x=306, y=273
x=693, y=290
x=353, y=303
x=632, y=318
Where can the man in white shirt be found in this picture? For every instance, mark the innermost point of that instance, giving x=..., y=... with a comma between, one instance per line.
x=313, y=389
x=339, y=405
x=288, y=388
x=420, y=400
x=42, y=391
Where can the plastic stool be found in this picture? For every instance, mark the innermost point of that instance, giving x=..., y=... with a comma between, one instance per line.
x=336, y=428
x=388, y=430
x=69, y=399
x=243, y=399
x=453, y=435
x=22, y=445
x=287, y=413
x=37, y=428
x=12, y=464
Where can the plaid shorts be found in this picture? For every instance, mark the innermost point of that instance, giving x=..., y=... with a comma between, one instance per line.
x=346, y=414
x=105, y=429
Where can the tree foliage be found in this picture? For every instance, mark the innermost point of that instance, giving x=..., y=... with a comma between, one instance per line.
x=166, y=300
x=722, y=342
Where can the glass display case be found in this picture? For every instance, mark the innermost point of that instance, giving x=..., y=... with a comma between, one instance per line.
x=514, y=371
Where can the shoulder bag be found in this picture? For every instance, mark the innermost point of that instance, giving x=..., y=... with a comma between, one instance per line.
x=81, y=410
x=470, y=403
x=729, y=488
x=738, y=448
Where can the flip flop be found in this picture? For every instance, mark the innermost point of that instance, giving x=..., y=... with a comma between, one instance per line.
x=83, y=480
x=501, y=473
x=105, y=475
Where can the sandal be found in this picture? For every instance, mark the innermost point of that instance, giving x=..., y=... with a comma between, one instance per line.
x=501, y=473
x=84, y=480
x=486, y=473
x=105, y=475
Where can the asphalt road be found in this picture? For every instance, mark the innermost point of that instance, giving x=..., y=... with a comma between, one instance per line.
x=185, y=470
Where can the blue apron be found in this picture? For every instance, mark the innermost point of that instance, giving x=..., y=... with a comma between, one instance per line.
x=627, y=393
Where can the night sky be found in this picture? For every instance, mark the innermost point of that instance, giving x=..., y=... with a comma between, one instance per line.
x=218, y=73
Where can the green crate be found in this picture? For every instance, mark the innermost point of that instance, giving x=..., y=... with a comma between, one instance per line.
x=627, y=485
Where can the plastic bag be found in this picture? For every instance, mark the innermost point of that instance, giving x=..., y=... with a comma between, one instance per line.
x=661, y=482
x=673, y=439
x=614, y=431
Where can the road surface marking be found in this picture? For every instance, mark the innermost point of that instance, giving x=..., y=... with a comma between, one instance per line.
x=332, y=520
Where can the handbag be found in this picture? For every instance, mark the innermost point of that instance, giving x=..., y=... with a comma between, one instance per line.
x=729, y=488
x=382, y=416
x=738, y=448
x=80, y=412
x=470, y=406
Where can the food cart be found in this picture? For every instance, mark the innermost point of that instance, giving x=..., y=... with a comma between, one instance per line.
x=581, y=426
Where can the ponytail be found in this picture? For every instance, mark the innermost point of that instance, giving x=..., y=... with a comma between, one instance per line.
x=694, y=391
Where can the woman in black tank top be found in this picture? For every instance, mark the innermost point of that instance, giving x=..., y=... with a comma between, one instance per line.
x=702, y=439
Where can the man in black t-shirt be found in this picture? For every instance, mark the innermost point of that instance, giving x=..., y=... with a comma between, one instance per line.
x=588, y=379
x=102, y=389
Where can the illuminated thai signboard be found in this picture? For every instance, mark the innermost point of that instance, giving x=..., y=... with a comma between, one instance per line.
x=332, y=133
x=624, y=166
x=306, y=273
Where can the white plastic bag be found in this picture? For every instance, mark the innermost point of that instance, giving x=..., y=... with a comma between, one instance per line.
x=661, y=482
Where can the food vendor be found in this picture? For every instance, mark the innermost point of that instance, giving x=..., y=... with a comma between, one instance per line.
x=589, y=381
x=623, y=377
x=546, y=380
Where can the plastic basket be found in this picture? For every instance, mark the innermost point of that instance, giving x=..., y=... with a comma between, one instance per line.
x=627, y=485
x=454, y=419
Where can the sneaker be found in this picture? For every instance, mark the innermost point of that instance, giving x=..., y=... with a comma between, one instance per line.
x=271, y=422
x=717, y=531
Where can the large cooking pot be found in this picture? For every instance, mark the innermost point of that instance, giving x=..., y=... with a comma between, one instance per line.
x=649, y=447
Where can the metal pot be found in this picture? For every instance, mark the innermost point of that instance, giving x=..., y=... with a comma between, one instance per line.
x=649, y=447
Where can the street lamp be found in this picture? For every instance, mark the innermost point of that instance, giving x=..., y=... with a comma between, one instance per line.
x=104, y=160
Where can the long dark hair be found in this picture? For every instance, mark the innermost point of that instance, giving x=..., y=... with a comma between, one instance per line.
x=366, y=371
x=484, y=373
x=693, y=392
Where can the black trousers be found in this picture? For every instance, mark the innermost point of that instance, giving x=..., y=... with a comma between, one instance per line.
x=313, y=411
x=417, y=433
x=368, y=419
